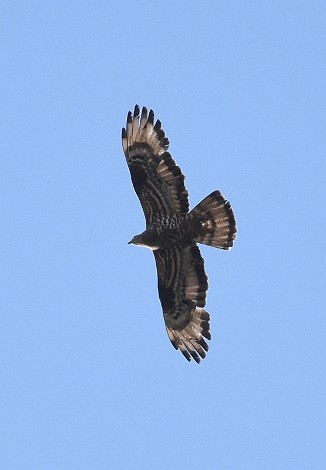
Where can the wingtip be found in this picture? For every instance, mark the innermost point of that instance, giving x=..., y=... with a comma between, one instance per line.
x=136, y=110
x=190, y=339
x=140, y=128
x=151, y=116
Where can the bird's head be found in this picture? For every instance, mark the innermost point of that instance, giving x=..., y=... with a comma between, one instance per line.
x=136, y=240
x=145, y=239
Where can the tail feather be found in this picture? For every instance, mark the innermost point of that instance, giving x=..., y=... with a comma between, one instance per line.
x=214, y=222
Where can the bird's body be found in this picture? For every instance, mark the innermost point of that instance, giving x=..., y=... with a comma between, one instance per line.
x=172, y=232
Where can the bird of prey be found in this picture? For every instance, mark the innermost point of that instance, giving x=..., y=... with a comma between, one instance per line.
x=172, y=232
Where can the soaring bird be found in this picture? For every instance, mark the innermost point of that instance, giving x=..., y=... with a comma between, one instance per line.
x=172, y=232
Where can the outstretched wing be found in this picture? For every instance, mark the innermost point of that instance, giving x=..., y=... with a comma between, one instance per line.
x=157, y=179
x=182, y=286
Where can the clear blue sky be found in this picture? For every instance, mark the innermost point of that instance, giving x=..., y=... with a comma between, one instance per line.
x=89, y=379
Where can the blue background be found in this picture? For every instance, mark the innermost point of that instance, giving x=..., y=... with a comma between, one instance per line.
x=89, y=379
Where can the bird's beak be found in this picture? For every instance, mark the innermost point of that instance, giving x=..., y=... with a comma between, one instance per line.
x=129, y=243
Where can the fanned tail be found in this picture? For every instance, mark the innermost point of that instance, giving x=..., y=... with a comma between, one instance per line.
x=214, y=222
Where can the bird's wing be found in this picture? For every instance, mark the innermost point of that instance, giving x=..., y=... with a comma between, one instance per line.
x=182, y=286
x=157, y=179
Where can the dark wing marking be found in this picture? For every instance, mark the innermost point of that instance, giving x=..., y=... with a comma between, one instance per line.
x=182, y=286
x=158, y=181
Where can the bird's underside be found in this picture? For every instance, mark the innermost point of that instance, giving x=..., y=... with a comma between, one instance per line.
x=172, y=232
